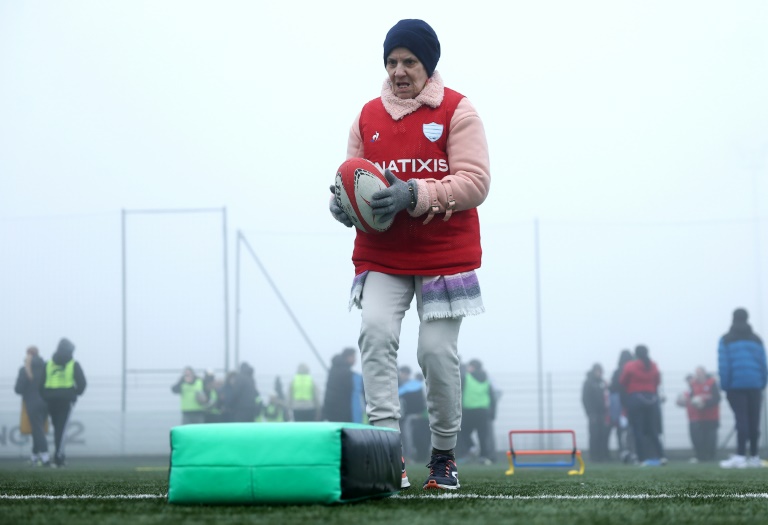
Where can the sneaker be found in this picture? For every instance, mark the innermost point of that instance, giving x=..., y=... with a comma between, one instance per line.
x=404, y=483
x=735, y=461
x=693, y=461
x=443, y=473
x=754, y=462
x=651, y=463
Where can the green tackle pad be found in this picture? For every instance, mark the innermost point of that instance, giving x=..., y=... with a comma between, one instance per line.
x=282, y=463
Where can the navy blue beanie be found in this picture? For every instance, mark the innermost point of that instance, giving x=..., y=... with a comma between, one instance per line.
x=419, y=38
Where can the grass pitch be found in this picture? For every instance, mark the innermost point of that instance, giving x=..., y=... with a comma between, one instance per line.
x=118, y=491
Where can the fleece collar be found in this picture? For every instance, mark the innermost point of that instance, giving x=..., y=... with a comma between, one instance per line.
x=431, y=95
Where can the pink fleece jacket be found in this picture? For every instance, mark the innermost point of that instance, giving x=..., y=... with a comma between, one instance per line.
x=467, y=150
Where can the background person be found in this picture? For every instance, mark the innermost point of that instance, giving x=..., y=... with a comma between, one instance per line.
x=617, y=408
x=273, y=411
x=742, y=364
x=242, y=403
x=594, y=398
x=478, y=407
x=432, y=144
x=641, y=379
x=303, y=396
x=212, y=405
x=193, y=398
x=413, y=409
x=340, y=388
x=29, y=385
x=702, y=404
x=64, y=383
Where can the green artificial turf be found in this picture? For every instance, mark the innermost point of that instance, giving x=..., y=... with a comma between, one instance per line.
x=678, y=493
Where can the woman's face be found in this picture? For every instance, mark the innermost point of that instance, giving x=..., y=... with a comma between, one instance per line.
x=406, y=73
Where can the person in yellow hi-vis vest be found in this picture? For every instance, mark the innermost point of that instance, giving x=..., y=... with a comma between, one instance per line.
x=273, y=411
x=303, y=396
x=193, y=397
x=64, y=382
x=478, y=404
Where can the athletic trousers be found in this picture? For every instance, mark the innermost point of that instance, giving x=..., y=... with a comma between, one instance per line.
x=385, y=299
x=37, y=412
x=745, y=404
x=59, y=409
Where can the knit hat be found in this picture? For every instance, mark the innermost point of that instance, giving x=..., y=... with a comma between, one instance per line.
x=419, y=38
x=740, y=315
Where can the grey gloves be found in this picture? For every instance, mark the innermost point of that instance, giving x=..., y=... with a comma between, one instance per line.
x=388, y=202
x=337, y=212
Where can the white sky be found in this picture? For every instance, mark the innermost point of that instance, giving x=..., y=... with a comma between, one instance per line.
x=636, y=132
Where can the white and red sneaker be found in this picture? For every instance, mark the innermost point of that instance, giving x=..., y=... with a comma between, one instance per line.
x=404, y=483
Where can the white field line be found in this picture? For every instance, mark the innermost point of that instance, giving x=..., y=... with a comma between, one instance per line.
x=462, y=495
x=81, y=496
x=445, y=495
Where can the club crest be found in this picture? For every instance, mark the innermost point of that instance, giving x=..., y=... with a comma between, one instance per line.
x=433, y=131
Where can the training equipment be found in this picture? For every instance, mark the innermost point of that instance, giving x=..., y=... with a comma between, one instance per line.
x=282, y=463
x=513, y=453
x=357, y=179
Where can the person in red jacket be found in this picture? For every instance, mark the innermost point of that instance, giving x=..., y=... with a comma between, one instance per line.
x=702, y=402
x=641, y=380
x=430, y=143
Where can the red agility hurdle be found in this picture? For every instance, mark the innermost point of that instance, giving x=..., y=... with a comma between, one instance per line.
x=514, y=454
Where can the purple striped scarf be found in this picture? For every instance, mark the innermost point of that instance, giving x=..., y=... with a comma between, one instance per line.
x=443, y=296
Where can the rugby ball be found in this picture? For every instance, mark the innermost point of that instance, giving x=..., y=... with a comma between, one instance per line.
x=357, y=179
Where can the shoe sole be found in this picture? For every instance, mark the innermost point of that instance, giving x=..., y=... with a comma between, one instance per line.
x=432, y=484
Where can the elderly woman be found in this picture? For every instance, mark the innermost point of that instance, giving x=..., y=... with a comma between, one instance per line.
x=431, y=143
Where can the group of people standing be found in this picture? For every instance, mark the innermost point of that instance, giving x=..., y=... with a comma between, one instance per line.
x=49, y=389
x=631, y=403
x=236, y=398
x=206, y=399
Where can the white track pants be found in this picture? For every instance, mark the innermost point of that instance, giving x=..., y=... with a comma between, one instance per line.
x=385, y=299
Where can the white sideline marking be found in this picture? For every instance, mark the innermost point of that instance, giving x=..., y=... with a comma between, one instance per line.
x=749, y=495
x=82, y=496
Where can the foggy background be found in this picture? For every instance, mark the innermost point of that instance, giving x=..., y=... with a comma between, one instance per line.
x=629, y=164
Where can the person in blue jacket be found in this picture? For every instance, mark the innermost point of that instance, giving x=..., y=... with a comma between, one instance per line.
x=743, y=375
